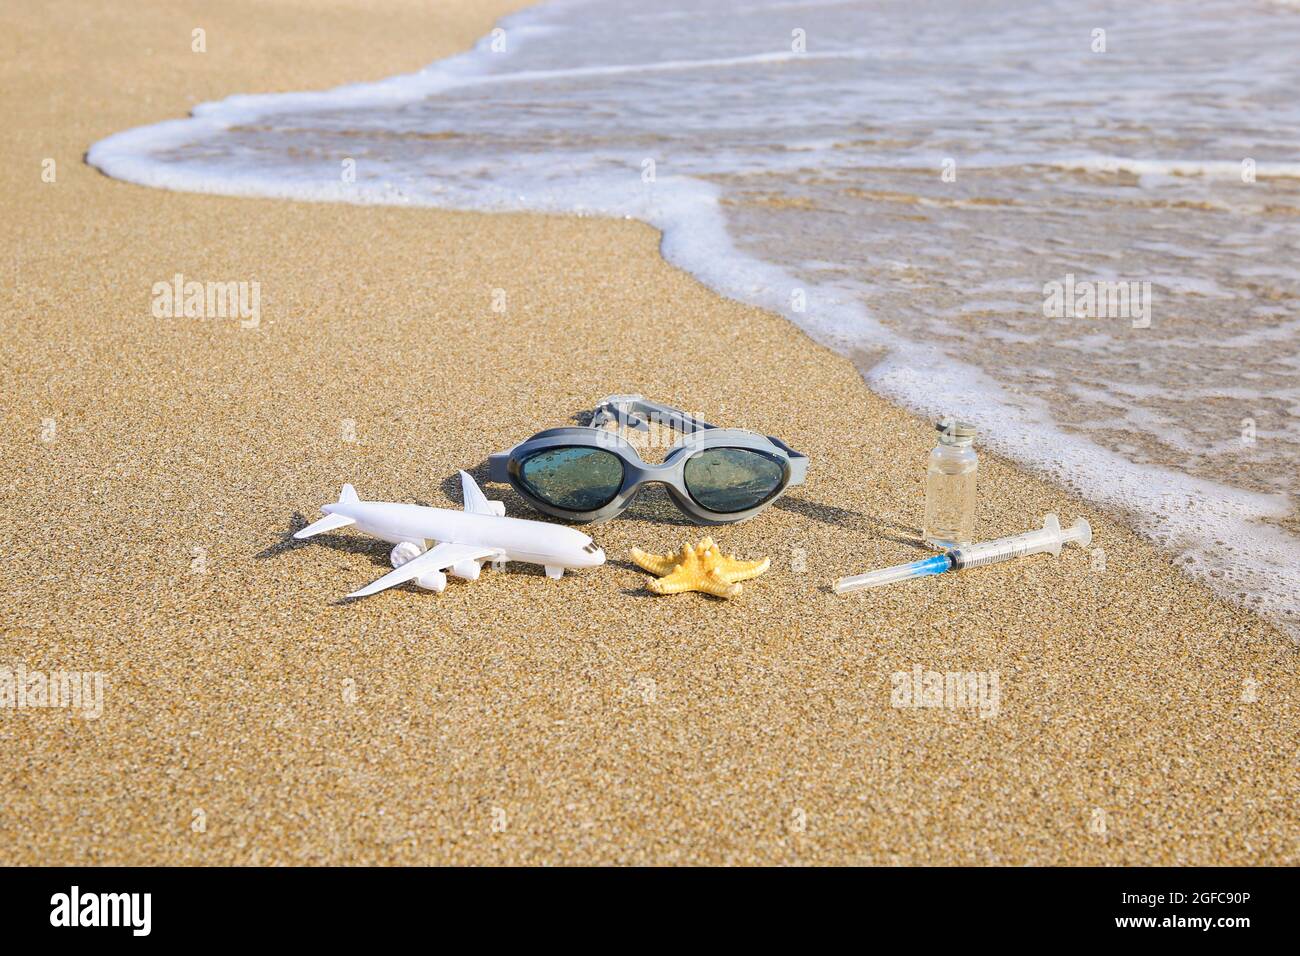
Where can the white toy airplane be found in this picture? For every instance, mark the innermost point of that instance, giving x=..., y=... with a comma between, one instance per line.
x=467, y=538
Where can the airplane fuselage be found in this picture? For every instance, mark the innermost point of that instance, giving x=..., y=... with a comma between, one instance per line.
x=518, y=539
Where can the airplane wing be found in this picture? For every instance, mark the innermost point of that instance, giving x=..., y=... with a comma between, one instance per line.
x=475, y=501
x=437, y=558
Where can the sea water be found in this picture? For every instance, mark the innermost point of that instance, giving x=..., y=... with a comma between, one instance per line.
x=1075, y=221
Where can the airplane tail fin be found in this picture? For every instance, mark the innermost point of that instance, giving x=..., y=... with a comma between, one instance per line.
x=332, y=522
x=475, y=501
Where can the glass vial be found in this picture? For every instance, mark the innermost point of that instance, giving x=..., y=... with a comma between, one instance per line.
x=950, y=486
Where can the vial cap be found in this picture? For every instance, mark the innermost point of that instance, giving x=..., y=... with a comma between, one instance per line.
x=955, y=432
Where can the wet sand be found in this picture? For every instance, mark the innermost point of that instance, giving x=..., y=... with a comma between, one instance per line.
x=154, y=468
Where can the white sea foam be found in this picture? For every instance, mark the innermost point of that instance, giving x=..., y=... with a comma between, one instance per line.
x=851, y=137
x=1230, y=170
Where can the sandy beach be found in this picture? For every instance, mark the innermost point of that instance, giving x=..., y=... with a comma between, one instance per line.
x=154, y=470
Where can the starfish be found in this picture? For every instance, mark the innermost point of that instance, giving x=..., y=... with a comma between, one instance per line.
x=702, y=568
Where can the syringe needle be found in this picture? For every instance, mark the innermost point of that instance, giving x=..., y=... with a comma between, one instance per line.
x=916, y=569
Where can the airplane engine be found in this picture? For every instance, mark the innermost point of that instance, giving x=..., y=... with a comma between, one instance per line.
x=498, y=508
x=433, y=581
x=404, y=552
x=467, y=570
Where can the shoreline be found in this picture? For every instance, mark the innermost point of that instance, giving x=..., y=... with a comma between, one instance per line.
x=182, y=445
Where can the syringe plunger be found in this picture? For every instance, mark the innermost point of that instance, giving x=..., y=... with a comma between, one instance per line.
x=1049, y=537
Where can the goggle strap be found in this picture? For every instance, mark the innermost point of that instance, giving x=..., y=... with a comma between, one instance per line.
x=627, y=409
x=499, y=467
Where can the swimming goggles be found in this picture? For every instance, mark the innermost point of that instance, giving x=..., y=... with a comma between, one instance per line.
x=591, y=473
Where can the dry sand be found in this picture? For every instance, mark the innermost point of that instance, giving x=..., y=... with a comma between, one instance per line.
x=249, y=717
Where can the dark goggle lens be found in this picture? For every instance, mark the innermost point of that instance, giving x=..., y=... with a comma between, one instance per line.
x=575, y=479
x=727, y=480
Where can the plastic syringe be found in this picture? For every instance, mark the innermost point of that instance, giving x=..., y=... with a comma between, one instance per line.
x=1049, y=537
